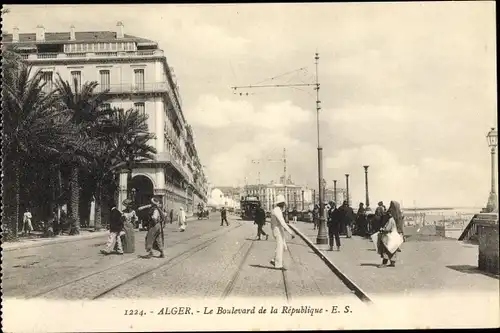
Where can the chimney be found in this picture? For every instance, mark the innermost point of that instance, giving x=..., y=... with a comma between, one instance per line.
x=72, y=33
x=15, y=35
x=119, y=30
x=40, y=33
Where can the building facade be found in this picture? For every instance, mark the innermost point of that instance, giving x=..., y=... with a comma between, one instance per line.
x=299, y=197
x=135, y=74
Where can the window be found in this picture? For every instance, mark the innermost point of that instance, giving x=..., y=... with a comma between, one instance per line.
x=139, y=79
x=106, y=106
x=140, y=107
x=47, y=79
x=76, y=79
x=105, y=80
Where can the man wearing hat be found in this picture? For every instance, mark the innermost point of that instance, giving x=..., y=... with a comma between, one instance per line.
x=155, y=237
x=334, y=222
x=115, y=228
x=278, y=226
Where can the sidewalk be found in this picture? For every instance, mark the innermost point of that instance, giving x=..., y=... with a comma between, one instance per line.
x=439, y=265
x=37, y=242
x=41, y=241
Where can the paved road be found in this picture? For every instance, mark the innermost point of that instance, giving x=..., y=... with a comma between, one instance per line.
x=205, y=261
x=440, y=265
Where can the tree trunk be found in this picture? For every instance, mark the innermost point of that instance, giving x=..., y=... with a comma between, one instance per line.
x=15, y=204
x=75, y=200
x=97, y=215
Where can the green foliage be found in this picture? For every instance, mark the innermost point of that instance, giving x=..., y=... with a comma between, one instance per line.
x=68, y=127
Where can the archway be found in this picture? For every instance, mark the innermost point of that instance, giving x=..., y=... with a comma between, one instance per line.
x=142, y=189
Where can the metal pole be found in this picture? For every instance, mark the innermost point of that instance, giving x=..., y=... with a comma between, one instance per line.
x=492, y=205
x=347, y=188
x=284, y=171
x=321, y=238
x=335, y=192
x=493, y=170
x=367, y=198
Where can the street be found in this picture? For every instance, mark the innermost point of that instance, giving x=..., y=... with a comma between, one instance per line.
x=206, y=261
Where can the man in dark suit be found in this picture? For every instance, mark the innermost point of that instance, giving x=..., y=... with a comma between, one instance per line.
x=347, y=216
x=260, y=220
x=115, y=228
x=223, y=216
x=334, y=225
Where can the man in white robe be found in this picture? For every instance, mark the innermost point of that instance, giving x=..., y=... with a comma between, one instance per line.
x=278, y=226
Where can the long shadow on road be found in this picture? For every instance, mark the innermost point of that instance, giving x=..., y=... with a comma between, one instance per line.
x=469, y=269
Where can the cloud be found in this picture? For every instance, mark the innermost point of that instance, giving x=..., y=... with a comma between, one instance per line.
x=429, y=182
x=213, y=112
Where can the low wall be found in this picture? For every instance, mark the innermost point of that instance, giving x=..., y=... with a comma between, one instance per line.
x=448, y=232
x=488, y=246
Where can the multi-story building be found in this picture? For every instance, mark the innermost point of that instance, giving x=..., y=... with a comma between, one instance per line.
x=135, y=74
x=299, y=197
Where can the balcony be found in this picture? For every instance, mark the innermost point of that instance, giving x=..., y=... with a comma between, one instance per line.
x=94, y=55
x=128, y=88
x=166, y=157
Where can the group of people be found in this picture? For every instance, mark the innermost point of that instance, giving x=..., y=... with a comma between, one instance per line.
x=386, y=224
x=122, y=223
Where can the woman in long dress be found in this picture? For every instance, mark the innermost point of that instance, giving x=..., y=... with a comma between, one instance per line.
x=392, y=217
x=155, y=237
x=129, y=220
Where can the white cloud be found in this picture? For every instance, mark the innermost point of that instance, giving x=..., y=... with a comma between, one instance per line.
x=212, y=112
x=430, y=182
x=406, y=88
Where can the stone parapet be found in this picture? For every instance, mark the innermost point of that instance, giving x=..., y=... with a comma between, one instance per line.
x=488, y=260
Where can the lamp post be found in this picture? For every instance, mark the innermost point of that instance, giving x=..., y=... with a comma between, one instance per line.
x=335, y=192
x=367, y=198
x=492, y=205
x=347, y=188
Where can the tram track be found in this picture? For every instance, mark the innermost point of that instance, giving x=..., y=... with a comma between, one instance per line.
x=185, y=253
x=348, y=282
x=230, y=286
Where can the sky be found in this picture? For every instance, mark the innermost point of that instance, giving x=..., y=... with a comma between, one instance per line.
x=406, y=88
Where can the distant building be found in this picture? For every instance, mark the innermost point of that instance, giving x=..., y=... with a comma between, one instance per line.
x=299, y=197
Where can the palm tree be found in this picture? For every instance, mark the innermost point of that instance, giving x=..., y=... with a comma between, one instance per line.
x=86, y=111
x=121, y=139
x=34, y=127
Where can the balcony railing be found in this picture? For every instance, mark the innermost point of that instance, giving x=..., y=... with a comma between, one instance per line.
x=87, y=55
x=146, y=87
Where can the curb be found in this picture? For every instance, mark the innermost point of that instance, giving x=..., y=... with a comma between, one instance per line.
x=41, y=243
x=343, y=277
x=44, y=242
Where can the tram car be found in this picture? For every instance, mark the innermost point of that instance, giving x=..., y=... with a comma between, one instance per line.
x=202, y=213
x=248, y=206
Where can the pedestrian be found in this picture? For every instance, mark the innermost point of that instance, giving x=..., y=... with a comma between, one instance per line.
x=316, y=216
x=361, y=220
x=388, y=231
x=129, y=220
x=278, y=226
x=182, y=220
x=294, y=214
x=223, y=216
x=115, y=228
x=155, y=238
x=171, y=216
x=347, y=216
x=379, y=213
x=334, y=224
x=260, y=220
x=27, y=225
